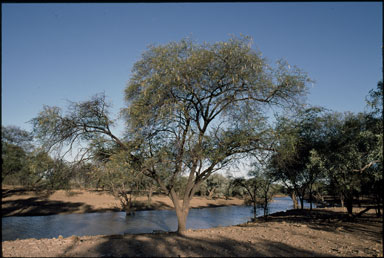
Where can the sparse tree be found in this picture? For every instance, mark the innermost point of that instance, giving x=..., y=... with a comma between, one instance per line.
x=251, y=187
x=199, y=107
x=192, y=110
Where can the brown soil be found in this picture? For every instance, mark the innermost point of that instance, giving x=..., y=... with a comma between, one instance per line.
x=19, y=202
x=322, y=232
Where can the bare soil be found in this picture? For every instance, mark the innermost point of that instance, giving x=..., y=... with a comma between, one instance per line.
x=19, y=202
x=295, y=233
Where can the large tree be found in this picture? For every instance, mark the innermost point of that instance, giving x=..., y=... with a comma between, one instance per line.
x=191, y=111
x=349, y=156
x=295, y=162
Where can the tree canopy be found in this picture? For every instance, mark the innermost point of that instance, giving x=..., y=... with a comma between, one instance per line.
x=192, y=109
x=196, y=108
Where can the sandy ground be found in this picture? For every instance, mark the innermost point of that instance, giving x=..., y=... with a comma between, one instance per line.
x=322, y=232
x=18, y=202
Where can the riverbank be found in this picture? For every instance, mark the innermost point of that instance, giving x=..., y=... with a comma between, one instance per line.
x=19, y=202
x=294, y=233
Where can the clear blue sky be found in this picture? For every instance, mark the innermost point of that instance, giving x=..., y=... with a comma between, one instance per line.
x=57, y=52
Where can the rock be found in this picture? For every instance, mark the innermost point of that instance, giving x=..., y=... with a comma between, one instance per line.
x=60, y=237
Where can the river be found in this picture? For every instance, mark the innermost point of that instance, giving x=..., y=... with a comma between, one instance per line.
x=111, y=223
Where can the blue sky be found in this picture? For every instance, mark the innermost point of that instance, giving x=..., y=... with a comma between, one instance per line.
x=52, y=53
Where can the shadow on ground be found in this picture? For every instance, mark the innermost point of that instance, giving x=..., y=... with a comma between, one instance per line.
x=37, y=206
x=174, y=245
x=328, y=220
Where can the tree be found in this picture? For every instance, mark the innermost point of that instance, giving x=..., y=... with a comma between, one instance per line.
x=375, y=101
x=315, y=172
x=266, y=189
x=181, y=99
x=17, y=136
x=348, y=157
x=28, y=166
x=295, y=161
x=15, y=146
x=234, y=189
x=122, y=180
x=251, y=187
x=216, y=185
x=13, y=161
x=192, y=110
x=258, y=187
x=354, y=154
x=375, y=127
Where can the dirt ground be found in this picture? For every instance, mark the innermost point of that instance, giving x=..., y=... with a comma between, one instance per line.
x=295, y=233
x=18, y=202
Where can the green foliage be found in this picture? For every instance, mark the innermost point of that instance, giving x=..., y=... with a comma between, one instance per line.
x=296, y=162
x=351, y=154
x=23, y=164
x=84, y=121
x=216, y=185
x=258, y=187
x=13, y=135
x=181, y=96
x=13, y=162
x=375, y=100
x=191, y=111
x=15, y=145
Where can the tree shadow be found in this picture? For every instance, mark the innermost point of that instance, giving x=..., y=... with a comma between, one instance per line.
x=331, y=221
x=42, y=193
x=36, y=206
x=174, y=245
x=9, y=192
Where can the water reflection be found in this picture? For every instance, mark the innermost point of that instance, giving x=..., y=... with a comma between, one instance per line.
x=108, y=223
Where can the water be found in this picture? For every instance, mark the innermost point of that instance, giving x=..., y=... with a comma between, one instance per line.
x=110, y=223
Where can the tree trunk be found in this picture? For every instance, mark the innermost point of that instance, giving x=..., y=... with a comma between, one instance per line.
x=294, y=199
x=181, y=210
x=265, y=206
x=181, y=219
x=378, y=203
x=254, y=210
x=349, y=204
x=310, y=199
x=302, y=202
x=358, y=200
x=210, y=193
x=149, y=194
x=342, y=200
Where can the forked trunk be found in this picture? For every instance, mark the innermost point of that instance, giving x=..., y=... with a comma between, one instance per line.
x=182, y=220
x=210, y=193
x=181, y=211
